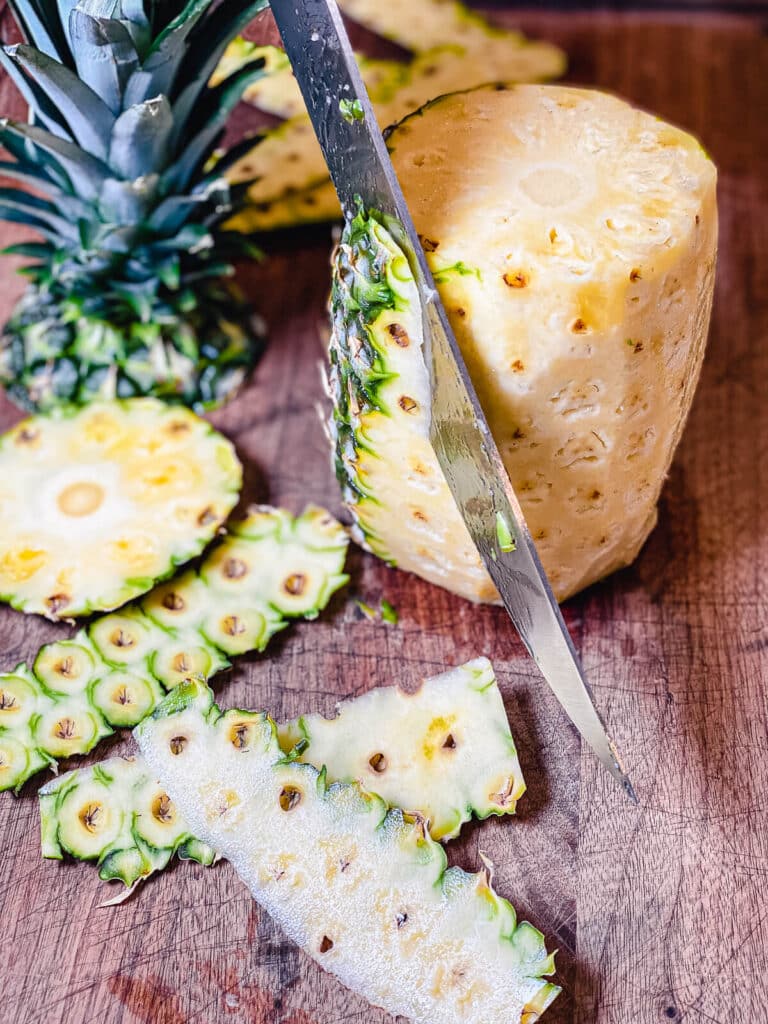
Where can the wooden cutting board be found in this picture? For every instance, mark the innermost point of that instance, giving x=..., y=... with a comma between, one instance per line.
x=660, y=912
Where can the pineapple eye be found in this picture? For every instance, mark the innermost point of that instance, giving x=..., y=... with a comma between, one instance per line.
x=56, y=602
x=174, y=602
x=178, y=744
x=326, y=945
x=91, y=817
x=378, y=763
x=240, y=736
x=504, y=797
x=162, y=809
x=235, y=569
x=120, y=638
x=206, y=517
x=295, y=584
x=290, y=797
x=450, y=742
x=579, y=326
x=65, y=729
x=65, y=666
x=408, y=404
x=516, y=279
x=400, y=335
x=232, y=625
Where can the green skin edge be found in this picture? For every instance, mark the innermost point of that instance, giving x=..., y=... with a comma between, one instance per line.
x=38, y=758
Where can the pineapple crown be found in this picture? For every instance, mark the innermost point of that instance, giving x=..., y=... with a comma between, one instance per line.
x=121, y=149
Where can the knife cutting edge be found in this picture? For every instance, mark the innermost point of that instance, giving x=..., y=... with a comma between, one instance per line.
x=318, y=47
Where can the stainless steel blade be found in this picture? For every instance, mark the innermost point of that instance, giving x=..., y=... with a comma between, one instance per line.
x=317, y=44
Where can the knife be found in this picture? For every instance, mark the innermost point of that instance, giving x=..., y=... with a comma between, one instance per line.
x=318, y=47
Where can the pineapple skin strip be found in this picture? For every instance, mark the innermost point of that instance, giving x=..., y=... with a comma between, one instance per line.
x=269, y=569
x=443, y=753
x=364, y=892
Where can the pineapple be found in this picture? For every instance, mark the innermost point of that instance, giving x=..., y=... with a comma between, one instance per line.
x=269, y=569
x=443, y=752
x=363, y=890
x=129, y=288
x=99, y=503
x=573, y=242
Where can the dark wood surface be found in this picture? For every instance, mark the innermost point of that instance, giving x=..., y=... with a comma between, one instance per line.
x=660, y=912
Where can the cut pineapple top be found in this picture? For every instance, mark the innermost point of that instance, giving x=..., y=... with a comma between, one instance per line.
x=98, y=504
x=363, y=892
x=270, y=568
x=573, y=242
x=444, y=751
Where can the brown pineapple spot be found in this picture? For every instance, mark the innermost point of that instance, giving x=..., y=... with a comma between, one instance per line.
x=239, y=736
x=7, y=700
x=181, y=663
x=421, y=516
x=504, y=797
x=401, y=918
x=27, y=435
x=56, y=602
x=400, y=335
x=552, y=235
x=579, y=326
x=635, y=275
x=290, y=797
x=174, y=602
x=162, y=809
x=429, y=244
x=120, y=638
x=232, y=625
x=460, y=311
x=122, y=696
x=178, y=744
x=65, y=729
x=178, y=427
x=90, y=817
x=450, y=742
x=516, y=279
x=518, y=366
x=407, y=404
x=295, y=584
x=65, y=667
x=235, y=568
x=206, y=517
x=326, y=945
x=378, y=763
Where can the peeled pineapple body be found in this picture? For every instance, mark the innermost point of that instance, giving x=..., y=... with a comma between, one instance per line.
x=363, y=892
x=98, y=504
x=443, y=753
x=573, y=242
x=270, y=569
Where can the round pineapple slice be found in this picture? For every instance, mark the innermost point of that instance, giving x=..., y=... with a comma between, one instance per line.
x=157, y=821
x=126, y=638
x=125, y=699
x=64, y=668
x=236, y=631
x=101, y=502
x=18, y=702
x=67, y=728
x=573, y=240
x=90, y=820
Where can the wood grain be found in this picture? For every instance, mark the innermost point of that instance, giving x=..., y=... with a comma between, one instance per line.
x=660, y=912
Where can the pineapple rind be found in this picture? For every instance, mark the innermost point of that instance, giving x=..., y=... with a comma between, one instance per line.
x=363, y=892
x=317, y=545
x=479, y=775
x=443, y=751
x=583, y=324
x=100, y=503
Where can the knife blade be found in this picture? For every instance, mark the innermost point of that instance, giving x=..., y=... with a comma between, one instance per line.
x=318, y=47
